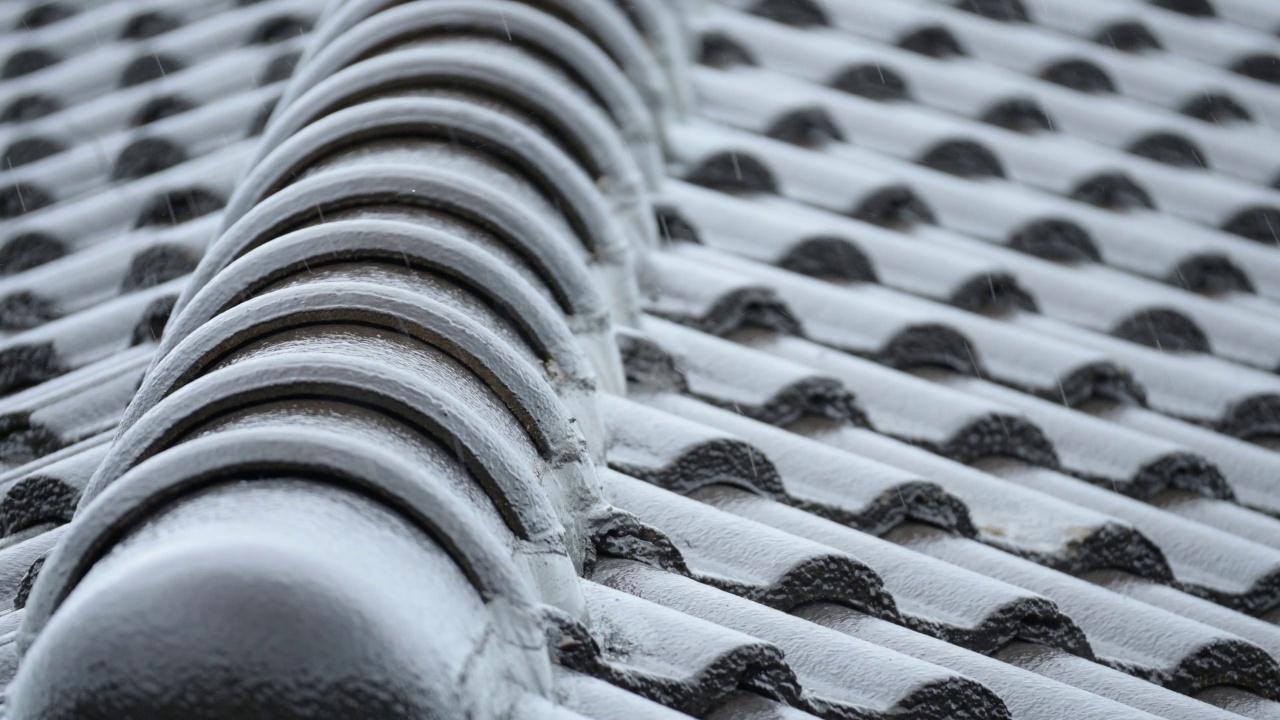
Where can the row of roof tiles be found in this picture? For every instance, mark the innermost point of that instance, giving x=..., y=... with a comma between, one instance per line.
x=786, y=542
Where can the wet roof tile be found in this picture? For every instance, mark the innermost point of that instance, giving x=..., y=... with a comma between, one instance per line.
x=900, y=358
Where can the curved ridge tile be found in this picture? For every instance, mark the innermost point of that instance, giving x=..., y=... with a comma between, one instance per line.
x=506, y=21
x=520, y=497
x=267, y=510
x=432, y=313
x=414, y=247
x=261, y=328
x=602, y=23
x=664, y=25
x=379, y=186
x=456, y=124
x=534, y=92
x=205, y=462
x=510, y=377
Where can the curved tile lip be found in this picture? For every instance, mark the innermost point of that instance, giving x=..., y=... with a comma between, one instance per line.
x=367, y=239
x=1254, y=416
x=218, y=458
x=526, y=394
x=453, y=121
x=815, y=579
x=700, y=676
x=519, y=496
x=1112, y=545
x=829, y=254
x=1093, y=383
x=411, y=186
x=798, y=572
x=814, y=396
x=36, y=500
x=509, y=21
x=998, y=434
x=653, y=367
x=1186, y=471
x=1262, y=596
x=1033, y=619
x=750, y=306
x=1228, y=661
x=916, y=501
x=604, y=25
x=922, y=690
x=581, y=126
x=703, y=465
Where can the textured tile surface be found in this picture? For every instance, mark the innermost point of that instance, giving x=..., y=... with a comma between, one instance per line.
x=582, y=359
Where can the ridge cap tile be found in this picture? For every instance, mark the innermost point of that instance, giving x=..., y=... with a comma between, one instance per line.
x=581, y=359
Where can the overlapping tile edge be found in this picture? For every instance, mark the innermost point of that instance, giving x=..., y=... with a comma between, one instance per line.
x=420, y=373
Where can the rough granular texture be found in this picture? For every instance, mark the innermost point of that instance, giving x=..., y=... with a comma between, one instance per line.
x=501, y=359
